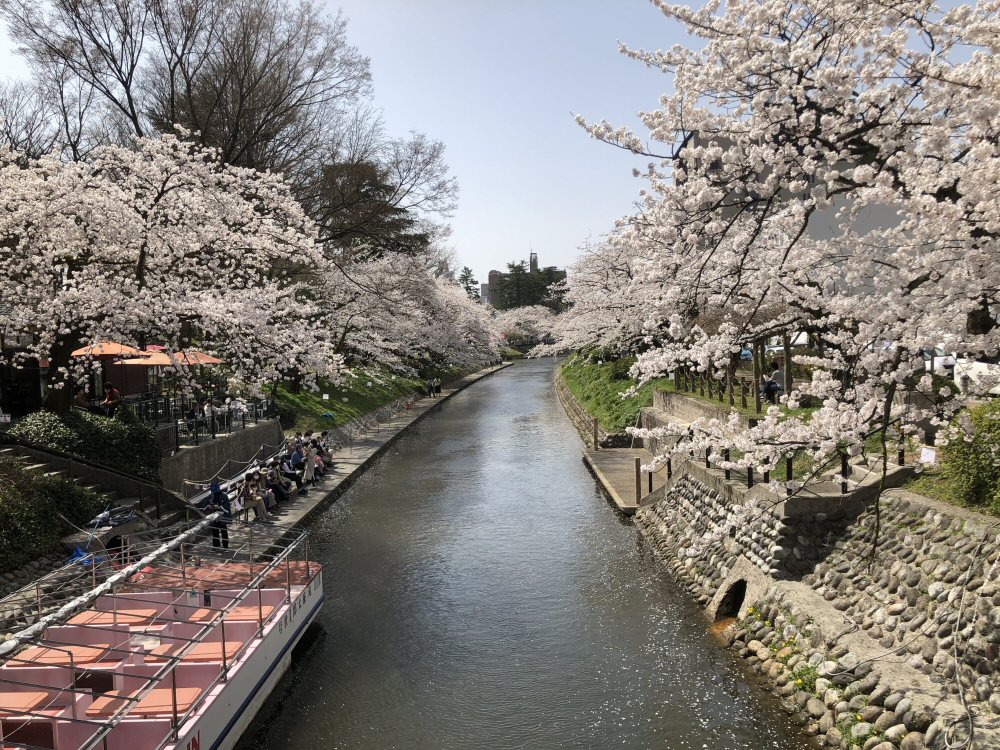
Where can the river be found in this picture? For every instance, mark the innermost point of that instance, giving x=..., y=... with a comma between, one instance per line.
x=482, y=593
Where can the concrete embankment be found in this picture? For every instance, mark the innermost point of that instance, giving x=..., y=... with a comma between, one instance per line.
x=877, y=623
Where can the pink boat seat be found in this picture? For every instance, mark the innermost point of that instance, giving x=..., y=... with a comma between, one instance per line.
x=18, y=702
x=156, y=702
x=207, y=651
x=62, y=656
x=122, y=617
x=243, y=613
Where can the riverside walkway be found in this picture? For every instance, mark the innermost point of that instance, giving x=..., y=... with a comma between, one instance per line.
x=348, y=464
x=615, y=469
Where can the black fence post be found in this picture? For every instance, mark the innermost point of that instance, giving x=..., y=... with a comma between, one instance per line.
x=845, y=471
x=725, y=455
x=708, y=452
x=749, y=477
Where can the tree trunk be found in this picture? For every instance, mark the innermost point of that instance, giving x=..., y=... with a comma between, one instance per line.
x=786, y=344
x=729, y=380
x=60, y=382
x=757, y=369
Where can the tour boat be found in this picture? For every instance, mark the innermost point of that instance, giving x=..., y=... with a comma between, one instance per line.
x=174, y=645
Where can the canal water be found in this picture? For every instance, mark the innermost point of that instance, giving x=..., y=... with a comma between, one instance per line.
x=482, y=593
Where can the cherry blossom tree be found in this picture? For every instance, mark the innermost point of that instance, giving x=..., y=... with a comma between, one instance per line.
x=394, y=311
x=158, y=242
x=603, y=307
x=529, y=322
x=822, y=168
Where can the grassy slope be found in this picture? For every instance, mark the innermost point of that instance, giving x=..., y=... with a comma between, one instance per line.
x=349, y=400
x=599, y=391
x=936, y=484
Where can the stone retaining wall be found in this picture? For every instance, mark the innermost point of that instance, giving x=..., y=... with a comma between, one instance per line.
x=928, y=605
x=688, y=408
x=203, y=461
x=931, y=587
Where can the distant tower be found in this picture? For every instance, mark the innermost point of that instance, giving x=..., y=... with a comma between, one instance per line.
x=533, y=263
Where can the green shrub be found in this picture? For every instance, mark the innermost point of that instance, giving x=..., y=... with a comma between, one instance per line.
x=805, y=677
x=123, y=442
x=970, y=459
x=36, y=512
x=620, y=368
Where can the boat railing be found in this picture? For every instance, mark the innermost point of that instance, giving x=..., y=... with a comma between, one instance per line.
x=177, y=565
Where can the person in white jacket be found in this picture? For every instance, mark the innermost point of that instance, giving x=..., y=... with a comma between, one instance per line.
x=309, y=470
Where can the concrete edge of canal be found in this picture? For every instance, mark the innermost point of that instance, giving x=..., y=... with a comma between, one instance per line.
x=903, y=654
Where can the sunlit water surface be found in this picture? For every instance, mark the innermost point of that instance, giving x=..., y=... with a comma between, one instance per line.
x=482, y=593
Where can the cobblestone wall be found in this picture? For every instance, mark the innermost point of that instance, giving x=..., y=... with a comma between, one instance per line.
x=928, y=605
x=689, y=527
x=930, y=588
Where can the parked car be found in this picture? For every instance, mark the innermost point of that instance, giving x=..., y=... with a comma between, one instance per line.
x=938, y=360
x=796, y=341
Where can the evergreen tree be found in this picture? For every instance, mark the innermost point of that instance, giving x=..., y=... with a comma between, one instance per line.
x=468, y=282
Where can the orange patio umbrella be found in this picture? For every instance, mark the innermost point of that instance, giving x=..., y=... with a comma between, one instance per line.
x=152, y=359
x=163, y=359
x=192, y=357
x=106, y=349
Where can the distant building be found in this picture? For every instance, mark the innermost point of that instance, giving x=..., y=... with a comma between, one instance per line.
x=520, y=286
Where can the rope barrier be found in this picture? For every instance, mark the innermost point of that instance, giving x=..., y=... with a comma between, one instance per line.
x=218, y=474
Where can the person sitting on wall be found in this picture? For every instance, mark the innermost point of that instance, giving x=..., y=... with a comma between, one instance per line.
x=289, y=472
x=264, y=492
x=112, y=400
x=251, y=499
x=298, y=458
x=80, y=400
x=281, y=487
x=772, y=385
x=320, y=464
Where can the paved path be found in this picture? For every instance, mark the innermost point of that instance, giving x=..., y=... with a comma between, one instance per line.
x=615, y=470
x=349, y=463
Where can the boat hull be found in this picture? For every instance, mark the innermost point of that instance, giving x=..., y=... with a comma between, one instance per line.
x=236, y=701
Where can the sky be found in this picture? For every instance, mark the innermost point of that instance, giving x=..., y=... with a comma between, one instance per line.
x=499, y=83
